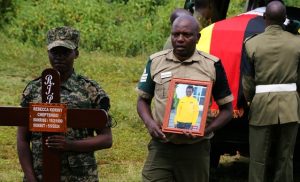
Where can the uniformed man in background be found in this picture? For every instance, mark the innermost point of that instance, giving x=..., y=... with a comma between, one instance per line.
x=180, y=157
x=271, y=88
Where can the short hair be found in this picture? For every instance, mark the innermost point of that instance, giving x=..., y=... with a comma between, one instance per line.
x=275, y=12
x=268, y=1
x=190, y=87
x=191, y=19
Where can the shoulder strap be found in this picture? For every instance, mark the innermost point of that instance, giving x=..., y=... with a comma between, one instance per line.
x=161, y=53
x=209, y=56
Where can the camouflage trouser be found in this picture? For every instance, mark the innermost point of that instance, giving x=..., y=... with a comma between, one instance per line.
x=80, y=174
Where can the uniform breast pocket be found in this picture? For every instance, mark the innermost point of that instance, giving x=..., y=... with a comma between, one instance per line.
x=161, y=87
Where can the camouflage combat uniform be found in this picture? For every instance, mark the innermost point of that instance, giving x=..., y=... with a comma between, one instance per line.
x=76, y=92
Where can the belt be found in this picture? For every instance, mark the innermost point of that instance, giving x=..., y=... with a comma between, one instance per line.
x=276, y=88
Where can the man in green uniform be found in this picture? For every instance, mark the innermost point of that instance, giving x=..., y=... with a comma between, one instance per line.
x=271, y=88
x=180, y=157
x=78, y=145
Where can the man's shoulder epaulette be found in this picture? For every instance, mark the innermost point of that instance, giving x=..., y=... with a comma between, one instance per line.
x=209, y=56
x=250, y=37
x=161, y=53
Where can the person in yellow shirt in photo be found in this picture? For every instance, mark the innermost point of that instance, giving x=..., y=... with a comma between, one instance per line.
x=187, y=110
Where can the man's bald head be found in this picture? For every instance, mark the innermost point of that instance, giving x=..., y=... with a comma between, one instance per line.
x=188, y=19
x=275, y=13
x=178, y=12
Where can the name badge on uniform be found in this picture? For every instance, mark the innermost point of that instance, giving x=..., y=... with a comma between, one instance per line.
x=166, y=74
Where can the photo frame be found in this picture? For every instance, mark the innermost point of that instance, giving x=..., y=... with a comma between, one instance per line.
x=187, y=106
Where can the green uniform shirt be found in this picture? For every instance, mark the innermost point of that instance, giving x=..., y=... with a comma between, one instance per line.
x=274, y=57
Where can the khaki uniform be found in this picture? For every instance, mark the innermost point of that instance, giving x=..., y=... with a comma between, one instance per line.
x=274, y=58
x=154, y=83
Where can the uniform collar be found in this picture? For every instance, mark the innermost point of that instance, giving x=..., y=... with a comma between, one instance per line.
x=194, y=57
x=273, y=27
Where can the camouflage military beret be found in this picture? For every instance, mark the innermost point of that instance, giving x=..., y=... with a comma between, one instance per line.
x=63, y=36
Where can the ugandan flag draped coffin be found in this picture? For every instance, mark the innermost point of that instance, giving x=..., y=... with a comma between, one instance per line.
x=224, y=39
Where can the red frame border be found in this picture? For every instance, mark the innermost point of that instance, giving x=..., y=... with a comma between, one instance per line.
x=173, y=83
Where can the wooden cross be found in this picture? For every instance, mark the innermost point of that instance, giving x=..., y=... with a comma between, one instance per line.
x=76, y=118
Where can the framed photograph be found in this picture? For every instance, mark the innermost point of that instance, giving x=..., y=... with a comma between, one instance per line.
x=187, y=106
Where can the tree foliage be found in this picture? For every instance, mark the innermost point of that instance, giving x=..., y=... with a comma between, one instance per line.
x=6, y=11
x=122, y=27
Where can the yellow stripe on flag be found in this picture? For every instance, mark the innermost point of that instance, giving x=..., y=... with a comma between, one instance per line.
x=205, y=39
